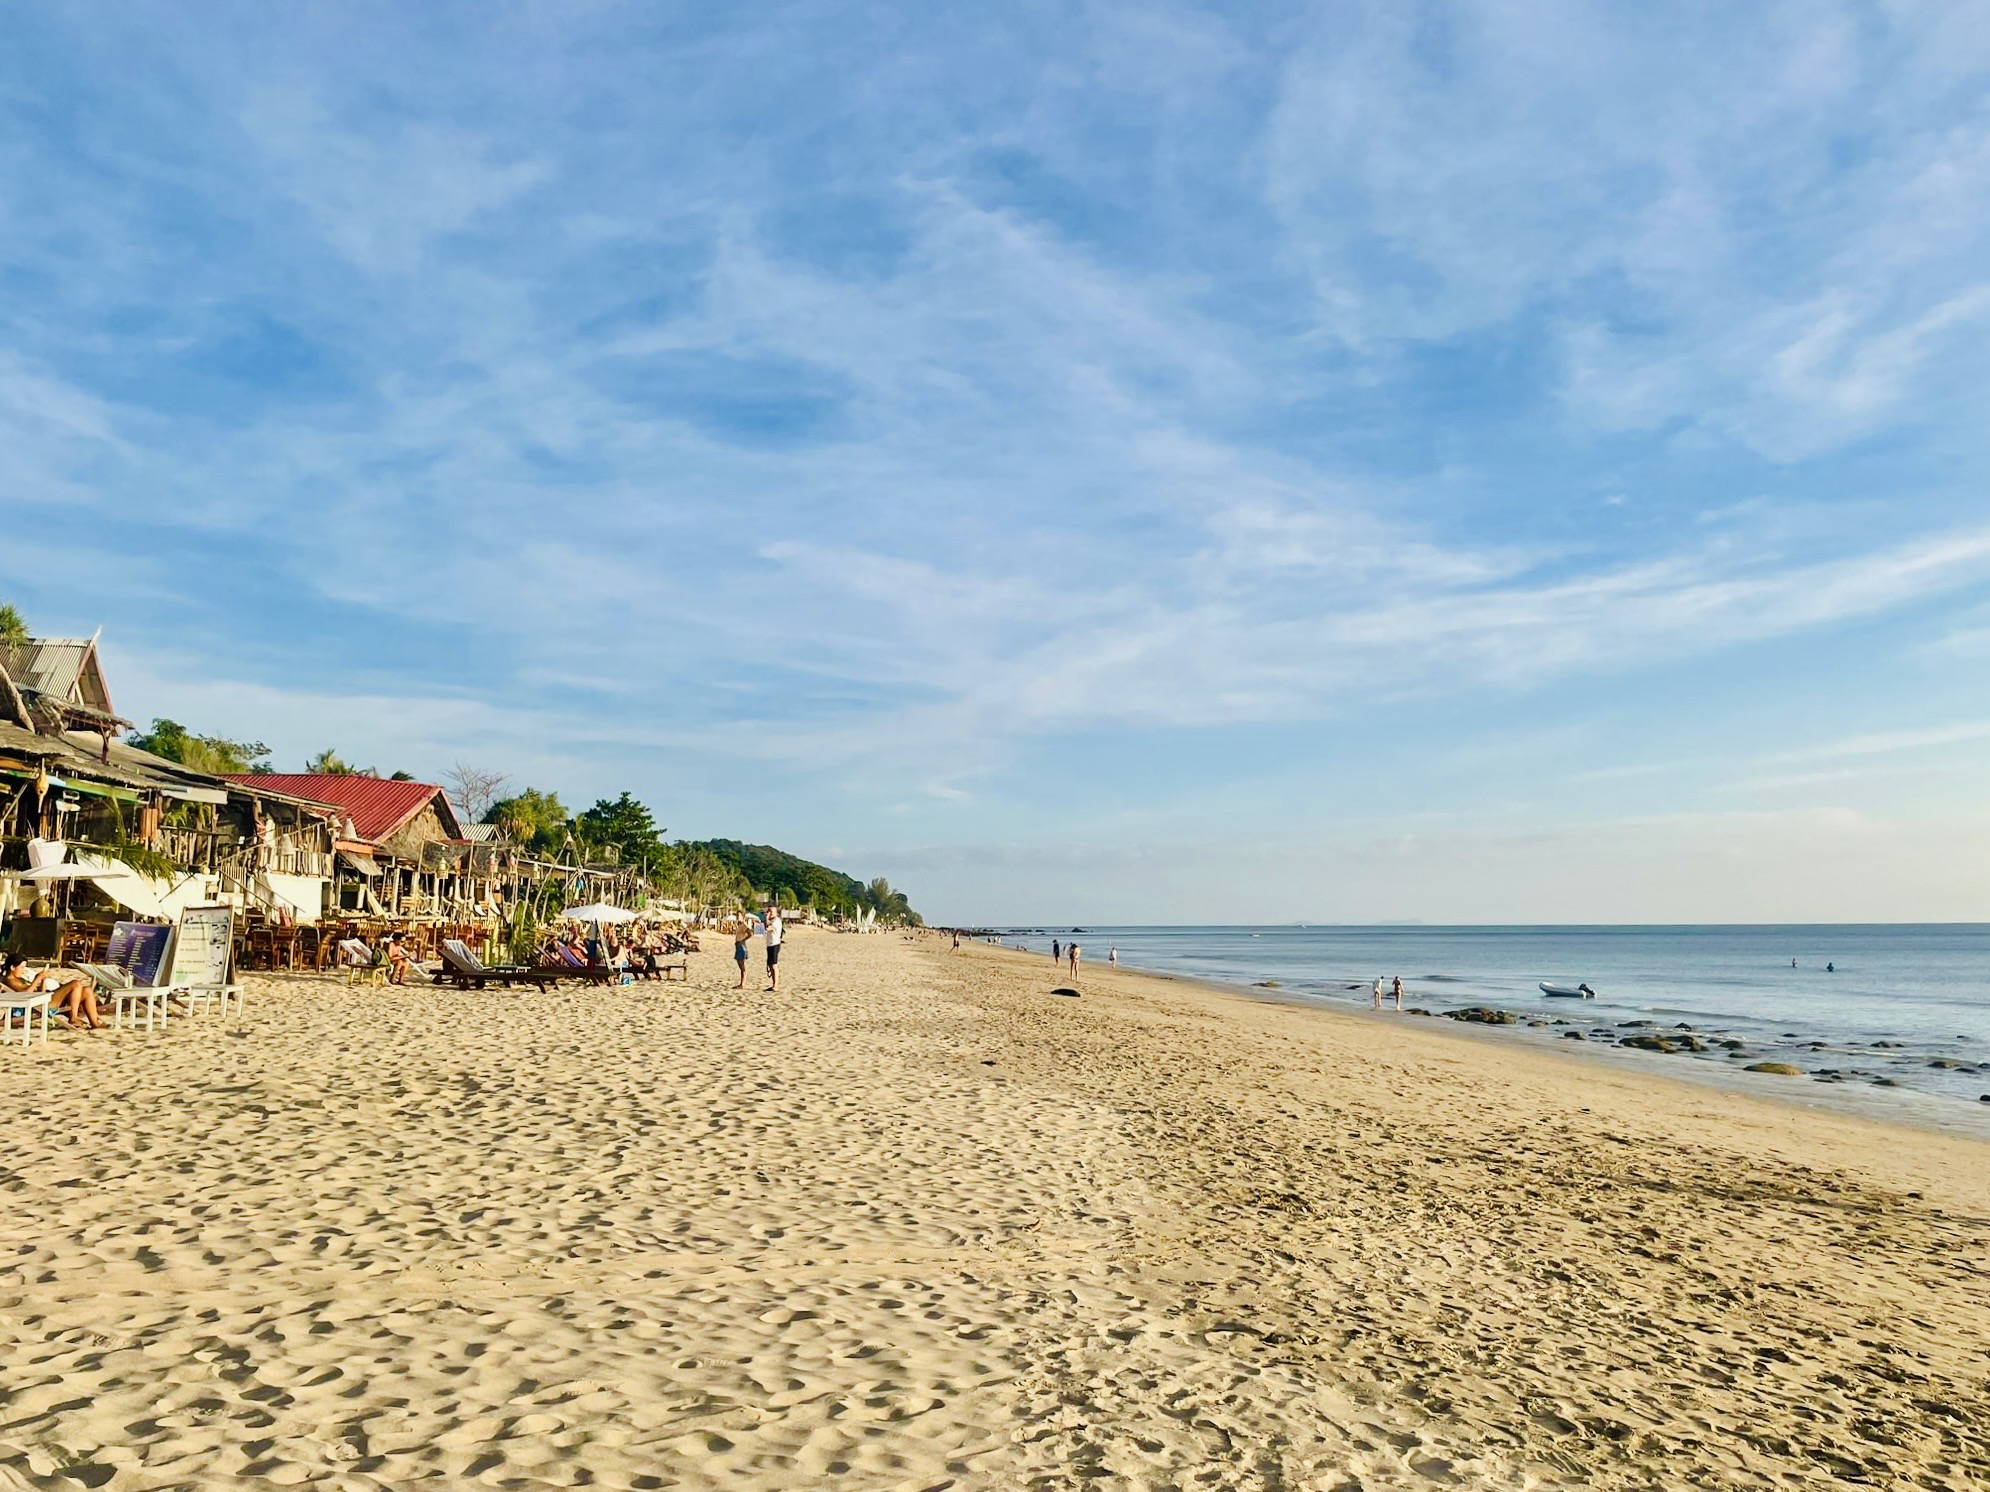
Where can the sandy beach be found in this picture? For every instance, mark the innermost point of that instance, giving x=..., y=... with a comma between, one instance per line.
x=915, y=1223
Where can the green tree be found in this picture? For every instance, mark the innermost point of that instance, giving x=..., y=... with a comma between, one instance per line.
x=217, y=754
x=536, y=820
x=625, y=823
x=330, y=764
x=13, y=626
x=890, y=905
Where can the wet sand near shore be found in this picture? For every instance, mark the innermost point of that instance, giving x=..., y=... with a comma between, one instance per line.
x=914, y=1222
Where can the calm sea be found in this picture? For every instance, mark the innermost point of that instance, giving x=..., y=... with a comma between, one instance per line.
x=1868, y=1005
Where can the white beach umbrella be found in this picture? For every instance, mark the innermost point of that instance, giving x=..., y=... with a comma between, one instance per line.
x=68, y=873
x=598, y=911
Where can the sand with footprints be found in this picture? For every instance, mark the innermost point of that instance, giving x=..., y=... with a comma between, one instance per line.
x=915, y=1223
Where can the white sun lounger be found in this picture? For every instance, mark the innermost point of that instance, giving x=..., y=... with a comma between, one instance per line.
x=24, y=1006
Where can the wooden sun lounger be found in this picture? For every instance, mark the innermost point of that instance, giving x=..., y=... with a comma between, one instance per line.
x=567, y=966
x=465, y=970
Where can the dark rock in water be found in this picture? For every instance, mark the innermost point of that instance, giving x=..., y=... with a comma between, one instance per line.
x=1483, y=1015
x=1737, y=1052
x=1945, y=1062
x=1885, y=1045
x=1885, y=1083
x=1537, y=1023
x=1690, y=1043
x=1416, y=1010
x=1648, y=1043
x=1573, y=1036
x=1731, y=1044
x=1266, y=984
x=1627, y=1025
x=1984, y=1099
x=1682, y=1026
x=1791, y=1035
x=1780, y=1069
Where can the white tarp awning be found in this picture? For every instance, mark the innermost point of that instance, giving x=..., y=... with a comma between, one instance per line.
x=143, y=894
x=304, y=895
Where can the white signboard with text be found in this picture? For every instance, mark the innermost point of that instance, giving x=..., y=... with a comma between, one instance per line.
x=203, y=948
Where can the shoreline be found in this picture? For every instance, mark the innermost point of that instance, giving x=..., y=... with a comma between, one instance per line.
x=1909, y=1108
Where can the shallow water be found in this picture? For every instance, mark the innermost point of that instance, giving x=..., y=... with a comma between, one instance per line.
x=1900, y=1000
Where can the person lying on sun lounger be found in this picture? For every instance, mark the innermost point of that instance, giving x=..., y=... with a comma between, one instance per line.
x=75, y=1001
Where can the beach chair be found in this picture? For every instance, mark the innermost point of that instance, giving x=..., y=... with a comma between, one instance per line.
x=571, y=966
x=134, y=960
x=359, y=963
x=465, y=970
x=664, y=967
x=201, y=998
x=23, y=1007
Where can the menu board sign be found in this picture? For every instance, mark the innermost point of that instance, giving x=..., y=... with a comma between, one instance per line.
x=139, y=949
x=204, y=947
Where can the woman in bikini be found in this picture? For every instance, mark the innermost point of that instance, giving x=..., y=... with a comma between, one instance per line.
x=75, y=1001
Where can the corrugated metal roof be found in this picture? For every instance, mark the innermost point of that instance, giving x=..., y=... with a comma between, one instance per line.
x=377, y=805
x=65, y=758
x=54, y=666
x=480, y=833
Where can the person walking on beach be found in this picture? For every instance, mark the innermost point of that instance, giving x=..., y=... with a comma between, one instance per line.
x=1399, y=992
x=773, y=948
x=1072, y=952
x=1056, y=951
x=741, y=936
x=1378, y=991
x=1112, y=956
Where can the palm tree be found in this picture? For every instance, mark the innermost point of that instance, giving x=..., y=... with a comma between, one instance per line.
x=13, y=626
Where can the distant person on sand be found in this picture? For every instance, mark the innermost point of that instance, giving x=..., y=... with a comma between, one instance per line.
x=1056, y=951
x=773, y=948
x=956, y=942
x=1071, y=951
x=1378, y=991
x=741, y=936
x=1112, y=956
x=1399, y=992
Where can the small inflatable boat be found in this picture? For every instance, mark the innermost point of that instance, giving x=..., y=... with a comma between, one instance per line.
x=1564, y=992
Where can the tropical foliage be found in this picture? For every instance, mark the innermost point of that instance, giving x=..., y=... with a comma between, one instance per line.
x=626, y=825
x=170, y=739
x=793, y=881
x=534, y=820
x=13, y=626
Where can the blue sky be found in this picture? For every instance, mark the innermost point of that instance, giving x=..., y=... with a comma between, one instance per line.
x=1503, y=462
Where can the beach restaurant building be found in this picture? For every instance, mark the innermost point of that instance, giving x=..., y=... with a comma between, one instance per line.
x=163, y=834
x=400, y=849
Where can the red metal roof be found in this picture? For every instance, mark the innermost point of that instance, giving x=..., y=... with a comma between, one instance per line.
x=377, y=805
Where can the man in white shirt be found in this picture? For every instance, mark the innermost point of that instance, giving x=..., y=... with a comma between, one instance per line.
x=773, y=948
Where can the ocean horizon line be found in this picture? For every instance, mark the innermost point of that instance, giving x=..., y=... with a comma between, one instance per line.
x=1396, y=925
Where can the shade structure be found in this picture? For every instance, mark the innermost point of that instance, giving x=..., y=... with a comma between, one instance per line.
x=598, y=911
x=70, y=872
